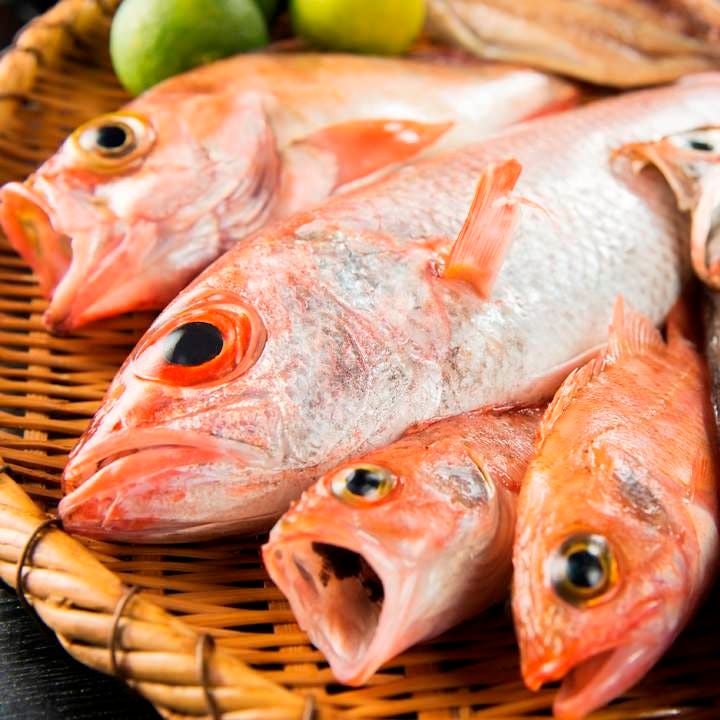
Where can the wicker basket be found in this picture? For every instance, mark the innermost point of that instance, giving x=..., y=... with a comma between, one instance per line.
x=199, y=630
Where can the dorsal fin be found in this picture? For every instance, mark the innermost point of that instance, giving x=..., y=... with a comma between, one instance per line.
x=480, y=247
x=630, y=334
x=565, y=394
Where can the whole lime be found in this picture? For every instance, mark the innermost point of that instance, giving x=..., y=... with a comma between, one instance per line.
x=151, y=40
x=383, y=27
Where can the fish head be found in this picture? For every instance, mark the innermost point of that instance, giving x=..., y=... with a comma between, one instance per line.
x=690, y=163
x=136, y=202
x=176, y=420
x=277, y=380
x=391, y=548
x=601, y=582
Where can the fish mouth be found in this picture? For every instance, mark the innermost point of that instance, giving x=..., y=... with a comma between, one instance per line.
x=351, y=603
x=87, y=276
x=594, y=680
x=27, y=221
x=105, y=279
x=170, y=491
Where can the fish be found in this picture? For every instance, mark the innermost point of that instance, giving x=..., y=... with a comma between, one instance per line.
x=620, y=44
x=690, y=163
x=398, y=545
x=474, y=279
x=138, y=201
x=617, y=531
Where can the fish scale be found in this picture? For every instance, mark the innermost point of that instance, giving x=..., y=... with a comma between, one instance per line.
x=363, y=336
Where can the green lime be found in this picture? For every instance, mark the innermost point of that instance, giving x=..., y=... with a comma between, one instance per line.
x=384, y=27
x=151, y=40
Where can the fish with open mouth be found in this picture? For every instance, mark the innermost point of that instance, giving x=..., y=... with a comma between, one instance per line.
x=617, y=534
x=475, y=279
x=137, y=202
x=398, y=545
x=690, y=162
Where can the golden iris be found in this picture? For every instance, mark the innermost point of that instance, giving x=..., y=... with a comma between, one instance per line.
x=112, y=142
x=362, y=483
x=110, y=139
x=583, y=568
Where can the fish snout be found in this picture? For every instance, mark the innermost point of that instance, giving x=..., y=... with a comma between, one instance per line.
x=343, y=596
x=361, y=598
x=26, y=219
x=170, y=486
x=592, y=673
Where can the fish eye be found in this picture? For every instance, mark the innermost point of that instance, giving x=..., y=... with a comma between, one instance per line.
x=704, y=141
x=582, y=569
x=112, y=141
x=362, y=484
x=701, y=145
x=193, y=343
x=216, y=340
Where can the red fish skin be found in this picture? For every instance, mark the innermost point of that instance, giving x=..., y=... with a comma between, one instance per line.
x=364, y=337
x=628, y=455
x=225, y=149
x=440, y=542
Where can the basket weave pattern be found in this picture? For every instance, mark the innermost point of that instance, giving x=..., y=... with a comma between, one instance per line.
x=58, y=75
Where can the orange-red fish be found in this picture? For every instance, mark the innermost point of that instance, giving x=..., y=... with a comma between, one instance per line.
x=400, y=544
x=477, y=279
x=617, y=533
x=138, y=201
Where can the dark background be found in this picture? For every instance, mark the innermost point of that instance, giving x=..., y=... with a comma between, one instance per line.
x=38, y=679
x=15, y=13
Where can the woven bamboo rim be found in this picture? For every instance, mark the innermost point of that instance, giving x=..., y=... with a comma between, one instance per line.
x=58, y=75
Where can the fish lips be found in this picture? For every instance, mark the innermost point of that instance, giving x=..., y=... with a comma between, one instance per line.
x=170, y=490
x=27, y=219
x=597, y=678
x=78, y=293
x=344, y=621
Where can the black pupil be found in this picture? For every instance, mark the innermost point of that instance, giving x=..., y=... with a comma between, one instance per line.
x=363, y=482
x=111, y=137
x=193, y=344
x=700, y=145
x=584, y=570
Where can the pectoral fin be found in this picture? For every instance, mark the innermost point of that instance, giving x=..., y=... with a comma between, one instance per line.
x=363, y=147
x=480, y=247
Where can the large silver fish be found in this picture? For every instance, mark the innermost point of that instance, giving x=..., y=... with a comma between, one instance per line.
x=332, y=333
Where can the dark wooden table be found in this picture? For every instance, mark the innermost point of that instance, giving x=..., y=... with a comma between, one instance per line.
x=40, y=681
